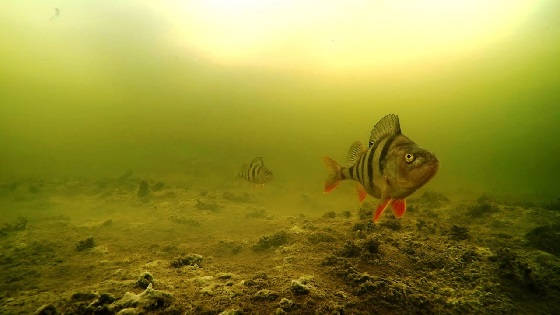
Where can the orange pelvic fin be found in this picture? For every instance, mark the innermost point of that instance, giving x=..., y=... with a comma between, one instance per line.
x=380, y=208
x=361, y=192
x=399, y=207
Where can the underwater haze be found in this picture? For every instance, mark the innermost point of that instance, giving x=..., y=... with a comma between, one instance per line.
x=124, y=125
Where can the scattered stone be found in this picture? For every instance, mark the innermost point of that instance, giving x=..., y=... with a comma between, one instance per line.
x=85, y=244
x=301, y=286
x=103, y=299
x=346, y=214
x=265, y=295
x=271, y=241
x=47, y=309
x=286, y=304
x=145, y=280
x=546, y=237
x=371, y=246
x=149, y=300
x=83, y=296
x=189, y=260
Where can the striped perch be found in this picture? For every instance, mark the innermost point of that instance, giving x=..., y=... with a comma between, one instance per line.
x=256, y=172
x=390, y=169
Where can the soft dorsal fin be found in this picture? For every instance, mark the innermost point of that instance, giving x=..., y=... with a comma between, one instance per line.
x=257, y=161
x=387, y=126
x=355, y=151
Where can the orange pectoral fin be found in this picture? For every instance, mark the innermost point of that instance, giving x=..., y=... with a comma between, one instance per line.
x=330, y=186
x=399, y=207
x=380, y=208
x=361, y=192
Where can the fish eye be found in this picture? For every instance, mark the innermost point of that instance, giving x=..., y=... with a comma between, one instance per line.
x=409, y=157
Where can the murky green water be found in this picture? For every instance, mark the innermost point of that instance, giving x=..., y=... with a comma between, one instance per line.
x=102, y=87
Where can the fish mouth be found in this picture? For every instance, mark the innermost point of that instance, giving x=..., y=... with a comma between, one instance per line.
x=432, y=167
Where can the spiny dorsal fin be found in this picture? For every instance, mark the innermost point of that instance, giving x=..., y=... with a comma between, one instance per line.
x=257, y=161
x=387, y=126
x=355, y=151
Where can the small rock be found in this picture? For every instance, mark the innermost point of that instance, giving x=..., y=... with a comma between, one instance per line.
x=149, y=300
x=144, y=280
x=103, y=299
x=271, y=241
x=47, y=309
x=265, y=295
x=81, y=296
x=301, y=286
x=189, y=260
x=85, y=244
x=128, y=311
x=371, y=246
x=286, y=304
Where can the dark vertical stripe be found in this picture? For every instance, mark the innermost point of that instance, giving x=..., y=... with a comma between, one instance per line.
x=253, y=168
x=351, y=171
x=370, y=167
x=362, y=166
x=384, y=152
x=358, y=175
x=258, y=171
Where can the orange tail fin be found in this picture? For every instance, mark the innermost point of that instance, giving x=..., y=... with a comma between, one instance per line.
x=334, y=173
x=399, y=207
x=380, y=208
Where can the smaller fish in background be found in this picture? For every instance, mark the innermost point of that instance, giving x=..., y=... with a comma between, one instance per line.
x=256, y=172
x=56, y=14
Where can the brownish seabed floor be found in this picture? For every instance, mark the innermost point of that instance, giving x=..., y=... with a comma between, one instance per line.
x=233, y=250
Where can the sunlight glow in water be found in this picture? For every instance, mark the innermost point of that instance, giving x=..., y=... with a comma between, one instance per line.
x=341, y=34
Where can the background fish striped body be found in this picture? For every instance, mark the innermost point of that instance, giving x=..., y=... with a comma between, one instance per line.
x=256, y=172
